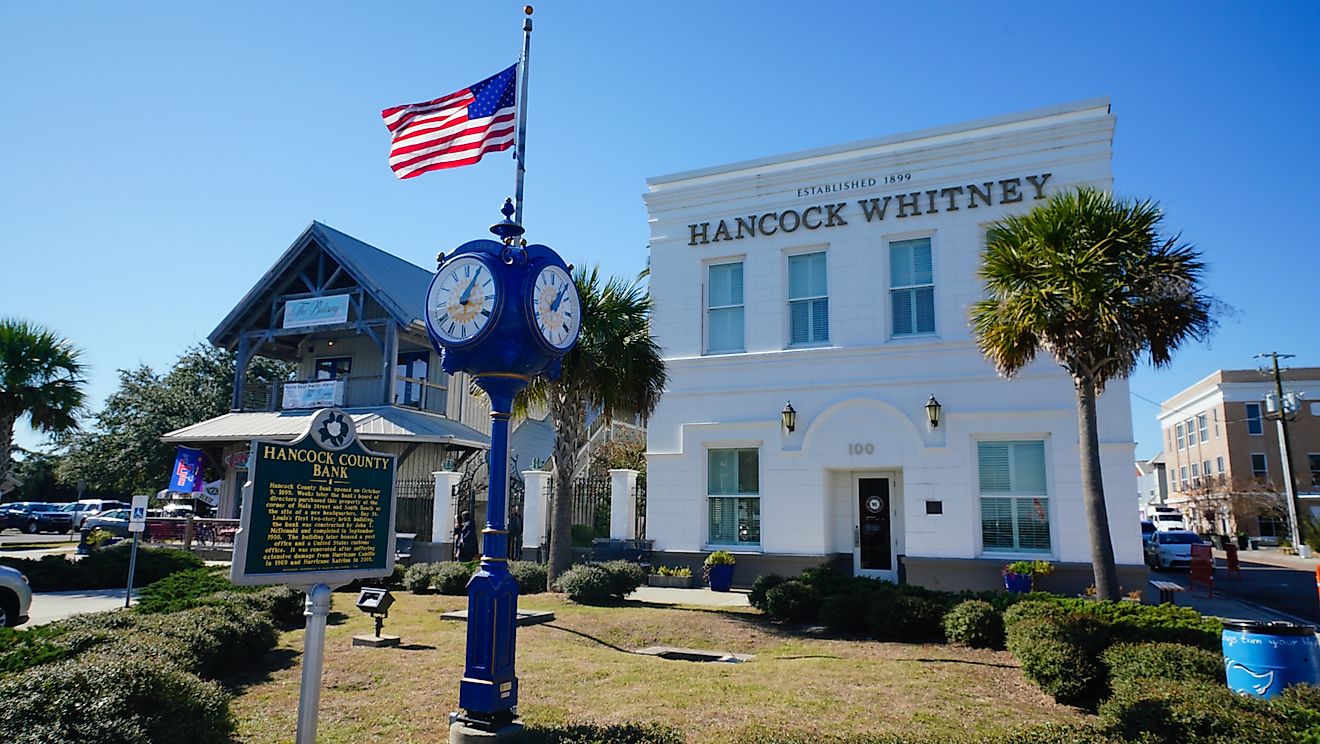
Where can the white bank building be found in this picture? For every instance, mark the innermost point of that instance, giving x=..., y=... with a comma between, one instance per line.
x=838, y=281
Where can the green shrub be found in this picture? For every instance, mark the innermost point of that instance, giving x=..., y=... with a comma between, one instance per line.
x=974, y=623
x=1171, y=661
x=23, y=649
x=209, y=640
x=417, y=579
x=1300, y=706
x=530, y=575
x=621, y=733
x=763, y=584
x=894, y=616
x=1033, y=608
x=1060, y=654
x=51, y=573
x=586, y=584
x=793, y=601
x=451, y=578
x=108, y=568
x=1167, y=712
x=112, y=699
x=582, y=535
x=625, y=577
x=1130, y=622
x=181, y=590
x=1050, y=733
x=845, y=614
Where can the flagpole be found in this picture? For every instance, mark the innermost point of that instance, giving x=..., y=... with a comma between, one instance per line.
x=522, y=116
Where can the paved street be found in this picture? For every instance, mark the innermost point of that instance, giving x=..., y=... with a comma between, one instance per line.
x=1270, y=579
x=47, y=607
x=12, y=537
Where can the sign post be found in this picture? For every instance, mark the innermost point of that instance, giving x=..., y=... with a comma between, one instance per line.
x=137, y=522
x=319, y=513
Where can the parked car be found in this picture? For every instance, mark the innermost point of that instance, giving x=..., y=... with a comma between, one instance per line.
x=85, y=508
x=15, y=597
x=114, y=521
x=35, y=516
x=1171, y=548
x=1147, y=529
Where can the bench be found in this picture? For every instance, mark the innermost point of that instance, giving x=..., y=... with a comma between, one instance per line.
x=1166, y=589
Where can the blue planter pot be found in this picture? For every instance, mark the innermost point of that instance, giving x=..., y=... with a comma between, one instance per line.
x=1018, y=583
x=720, y=577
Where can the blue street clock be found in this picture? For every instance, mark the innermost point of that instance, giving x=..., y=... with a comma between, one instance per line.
x=504, y=313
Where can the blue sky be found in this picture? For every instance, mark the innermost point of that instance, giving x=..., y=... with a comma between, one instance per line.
x=158, y=157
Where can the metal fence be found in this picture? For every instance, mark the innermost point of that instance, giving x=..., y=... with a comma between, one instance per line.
x=590, y=506
x=413, y=506
x=639, y=493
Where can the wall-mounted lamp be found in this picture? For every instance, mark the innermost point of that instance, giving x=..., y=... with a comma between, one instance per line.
x=933, y=412
x=789, y=416
x=330, y=343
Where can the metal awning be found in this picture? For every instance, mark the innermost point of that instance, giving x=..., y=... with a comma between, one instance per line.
x=378, y=424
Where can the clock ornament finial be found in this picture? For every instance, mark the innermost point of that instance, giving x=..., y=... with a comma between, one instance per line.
x=507, y=230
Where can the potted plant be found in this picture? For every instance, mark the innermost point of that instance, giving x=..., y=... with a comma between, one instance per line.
x=678, y=577
x=1020, y=576
x=719, y=570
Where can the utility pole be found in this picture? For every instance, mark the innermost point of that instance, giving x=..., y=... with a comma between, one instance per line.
x=1283, y=408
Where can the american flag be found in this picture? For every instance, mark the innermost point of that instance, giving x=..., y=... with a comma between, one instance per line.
x=453, y=130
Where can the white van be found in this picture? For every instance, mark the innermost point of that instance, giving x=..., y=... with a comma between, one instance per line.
x=1165, y=521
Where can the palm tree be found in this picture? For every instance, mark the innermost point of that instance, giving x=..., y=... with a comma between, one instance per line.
x=615, y=368
x=1092, y=280
x=40, y=377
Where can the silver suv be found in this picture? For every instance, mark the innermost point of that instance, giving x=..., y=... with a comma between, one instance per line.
x=15, y=597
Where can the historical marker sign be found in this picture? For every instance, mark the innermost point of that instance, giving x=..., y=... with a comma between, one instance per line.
x=318, y=510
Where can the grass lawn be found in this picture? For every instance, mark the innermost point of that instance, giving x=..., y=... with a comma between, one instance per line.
x=579, y=670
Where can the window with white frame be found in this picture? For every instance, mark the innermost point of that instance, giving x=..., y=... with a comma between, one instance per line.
x=808, y=300
x=1254, y=423
x=911, y=287
x=1215, y=413
x=1219, y=464
x=1182, y=476
x=1203, y=426
x=733, y=496
x=1259, y=468
x=724, y=307
x=1314, y=461
x=1191, y=432
x=1015, y=515
x=1205, y=470
x=1196, y=474
x=1182, y=441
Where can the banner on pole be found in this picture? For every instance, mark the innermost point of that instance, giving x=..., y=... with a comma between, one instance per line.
x=187, y=474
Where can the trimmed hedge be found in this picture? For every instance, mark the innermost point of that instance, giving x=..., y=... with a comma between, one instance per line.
x=417, y=579
x=112, y=698
x=102, y=569
x=761, y=587
x=1128, y=662
x=1060, y=654
x=181, y=590
x=974, y=623
x=451, y=578
x=530, y=575
x=1049, y=733
x=586, y=584
x=795, y=601
x=1167, y=712
x=624, y=733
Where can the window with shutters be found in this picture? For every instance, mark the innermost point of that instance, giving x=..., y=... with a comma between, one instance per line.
x=808, y=300
x=724, y=308
x=911, y=288
x=1015, y=515
x=733, y=496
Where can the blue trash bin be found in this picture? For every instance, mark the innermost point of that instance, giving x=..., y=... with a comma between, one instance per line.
x=1261, y=659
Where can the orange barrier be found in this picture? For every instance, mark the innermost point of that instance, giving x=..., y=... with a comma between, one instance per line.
x=1232, y=559
x=1203, y=568
x=1317, y=580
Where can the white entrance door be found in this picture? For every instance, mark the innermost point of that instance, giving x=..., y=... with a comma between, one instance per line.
x=874, y=521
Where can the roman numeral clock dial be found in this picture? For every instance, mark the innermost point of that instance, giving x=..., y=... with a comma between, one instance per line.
x=556, y=308
x=462, y=300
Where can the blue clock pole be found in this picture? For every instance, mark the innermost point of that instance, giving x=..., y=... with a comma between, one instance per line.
x=504, y=313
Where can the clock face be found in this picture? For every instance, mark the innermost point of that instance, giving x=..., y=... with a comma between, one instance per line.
x=462, y=300
x=556, y=308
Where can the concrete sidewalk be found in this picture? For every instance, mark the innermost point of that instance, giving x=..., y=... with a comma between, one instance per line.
x=701, y=597
x=1273, y=557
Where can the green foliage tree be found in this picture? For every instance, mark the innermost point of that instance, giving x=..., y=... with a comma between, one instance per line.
x=41, y=377
x=615, y=368
x=122, y=451
x=1092, y=280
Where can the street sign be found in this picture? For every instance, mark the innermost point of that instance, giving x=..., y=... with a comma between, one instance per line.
x=137, y=518
x=318, y=510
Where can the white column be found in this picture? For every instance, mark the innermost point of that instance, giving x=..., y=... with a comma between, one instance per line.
x=536, y=483
x=623, y=504
x=442, y=512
